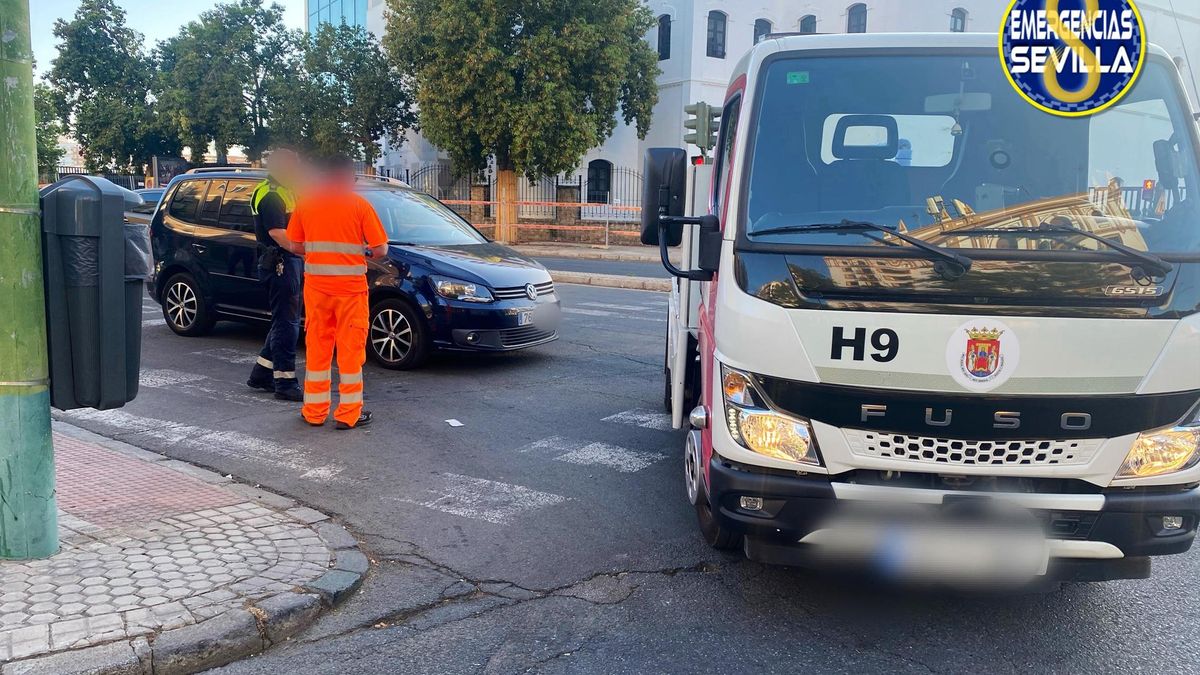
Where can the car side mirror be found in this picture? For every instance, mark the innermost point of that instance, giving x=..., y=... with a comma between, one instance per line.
x=663, y=193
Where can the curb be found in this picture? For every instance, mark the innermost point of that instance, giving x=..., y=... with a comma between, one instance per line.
x=227, y=637
x=611, y=281
x=650, y=256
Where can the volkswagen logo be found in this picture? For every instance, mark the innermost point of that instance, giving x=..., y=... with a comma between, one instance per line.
x=531, y=291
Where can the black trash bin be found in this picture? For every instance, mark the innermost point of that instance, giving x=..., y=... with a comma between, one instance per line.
x=95, y=267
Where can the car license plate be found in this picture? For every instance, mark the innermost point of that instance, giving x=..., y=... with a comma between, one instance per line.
x=525, y=318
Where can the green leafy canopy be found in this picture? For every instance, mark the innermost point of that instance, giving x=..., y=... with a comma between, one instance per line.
x=533, y=83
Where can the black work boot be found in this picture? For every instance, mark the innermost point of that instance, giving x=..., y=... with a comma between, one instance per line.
x=292, y=393
x=363, y=420
x=261, y=378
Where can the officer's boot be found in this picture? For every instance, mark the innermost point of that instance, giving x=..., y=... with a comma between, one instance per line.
x=288, y=389
x=263, y=375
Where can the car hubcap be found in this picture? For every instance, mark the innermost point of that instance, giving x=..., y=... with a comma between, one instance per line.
x=691, y=467
x=182, y=305
x=391, y=335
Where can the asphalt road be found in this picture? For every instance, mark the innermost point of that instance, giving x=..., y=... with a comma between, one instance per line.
x=550, y=532
x=622, y=268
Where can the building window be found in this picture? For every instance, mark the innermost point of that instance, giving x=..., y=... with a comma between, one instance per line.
x=958, y=20
x=808, y=24
x=664, y=37
x=599, y=181
x=716, y=34
x=856, y=18
x=762, y=28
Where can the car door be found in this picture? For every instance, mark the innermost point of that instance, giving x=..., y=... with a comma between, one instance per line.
x=227, y=254
x=237, y=216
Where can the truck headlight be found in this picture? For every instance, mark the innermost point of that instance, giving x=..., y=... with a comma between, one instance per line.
x=760, y=429
x=456, y=289
x=1155, y=453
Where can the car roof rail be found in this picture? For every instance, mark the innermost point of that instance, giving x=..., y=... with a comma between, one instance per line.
x=226, y=169
x=381, y=179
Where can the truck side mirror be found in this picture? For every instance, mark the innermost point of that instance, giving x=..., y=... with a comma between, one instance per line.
x=663, y=194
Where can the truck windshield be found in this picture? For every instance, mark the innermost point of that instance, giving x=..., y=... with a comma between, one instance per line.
x=942, y=148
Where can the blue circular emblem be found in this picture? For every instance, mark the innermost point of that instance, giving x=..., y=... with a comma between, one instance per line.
x=1072, y=57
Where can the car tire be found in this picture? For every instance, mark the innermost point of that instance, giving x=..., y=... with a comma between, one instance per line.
x=183, y=305
x=397, y=336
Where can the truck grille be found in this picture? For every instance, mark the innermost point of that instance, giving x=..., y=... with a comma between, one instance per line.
x=955, y=452
x=515, y=292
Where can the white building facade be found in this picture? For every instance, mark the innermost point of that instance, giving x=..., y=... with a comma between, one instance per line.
x=700, y=41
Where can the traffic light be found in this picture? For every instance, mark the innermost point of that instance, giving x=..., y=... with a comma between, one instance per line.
x=703, y=121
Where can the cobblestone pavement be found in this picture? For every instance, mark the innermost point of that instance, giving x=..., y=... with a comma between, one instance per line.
x=150, y=545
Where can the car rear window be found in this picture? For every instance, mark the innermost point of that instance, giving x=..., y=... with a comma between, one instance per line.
x=210, y=208
x=235, y=209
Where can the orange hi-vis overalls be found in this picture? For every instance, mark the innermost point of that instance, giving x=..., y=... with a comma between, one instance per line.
x=336, y=226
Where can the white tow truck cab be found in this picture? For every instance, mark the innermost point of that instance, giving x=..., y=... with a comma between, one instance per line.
x=930, y=329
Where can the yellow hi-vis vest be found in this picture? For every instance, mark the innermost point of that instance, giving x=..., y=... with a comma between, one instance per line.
x=266, y=187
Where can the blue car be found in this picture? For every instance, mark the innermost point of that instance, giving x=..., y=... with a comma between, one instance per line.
x=444, y=286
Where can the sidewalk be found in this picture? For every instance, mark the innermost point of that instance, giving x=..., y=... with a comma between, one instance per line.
x=165, y=568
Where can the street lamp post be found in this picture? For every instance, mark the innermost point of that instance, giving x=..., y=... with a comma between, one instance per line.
x=28, y=515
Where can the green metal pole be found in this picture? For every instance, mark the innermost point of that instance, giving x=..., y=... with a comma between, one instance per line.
x=28, y=515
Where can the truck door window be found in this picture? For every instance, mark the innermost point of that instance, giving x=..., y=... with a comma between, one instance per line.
x=729, y=122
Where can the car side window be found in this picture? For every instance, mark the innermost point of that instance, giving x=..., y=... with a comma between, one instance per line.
x=210, y=208
x=235, y=209
x=187, y=197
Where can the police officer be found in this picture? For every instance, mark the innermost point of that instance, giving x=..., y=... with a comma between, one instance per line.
x=281, y=273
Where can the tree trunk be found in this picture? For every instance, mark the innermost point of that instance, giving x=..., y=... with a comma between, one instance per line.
x=506, y=212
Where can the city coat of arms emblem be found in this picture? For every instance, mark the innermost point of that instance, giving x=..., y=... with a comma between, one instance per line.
x=982, y=356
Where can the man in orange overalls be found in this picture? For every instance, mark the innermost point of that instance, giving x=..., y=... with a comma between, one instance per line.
x=336, y=229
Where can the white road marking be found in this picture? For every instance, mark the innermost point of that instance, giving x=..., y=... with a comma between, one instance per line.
x=628, y=308
x=481, y=499
x=205, y=387
x=640, y=417
x=594, y=454
x=601, y=312
x=233, y=444
x=146, y=323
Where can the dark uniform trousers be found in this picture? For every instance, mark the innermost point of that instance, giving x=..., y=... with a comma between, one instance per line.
x=277, y=361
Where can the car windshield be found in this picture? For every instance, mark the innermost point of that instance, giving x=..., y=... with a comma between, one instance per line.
x=417, y=218
x=942, y=147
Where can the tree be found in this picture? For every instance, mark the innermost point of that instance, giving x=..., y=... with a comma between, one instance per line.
x=218, y=72
x=48, y=128
x=529, y=83
x=102, y=80
x=356, y=95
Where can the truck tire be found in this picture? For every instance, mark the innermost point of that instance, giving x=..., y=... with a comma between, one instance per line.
x=714, y=535
x=666, y=377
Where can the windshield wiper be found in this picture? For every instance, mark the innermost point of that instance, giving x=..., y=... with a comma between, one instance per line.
x=961, y=263
x=1152, y=264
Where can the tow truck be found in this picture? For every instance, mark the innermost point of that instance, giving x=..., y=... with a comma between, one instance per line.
x=923, y=327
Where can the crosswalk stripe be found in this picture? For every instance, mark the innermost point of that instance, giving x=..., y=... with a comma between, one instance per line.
x=147, y=323
x=202, y=386
x=640, y=417
x=480, y=499
x=602, y=312
x=607, y=455
x=233, y=444
x=626, y=308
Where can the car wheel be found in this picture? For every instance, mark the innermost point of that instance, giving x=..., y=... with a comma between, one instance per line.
x=398, y=337
x=184, y=307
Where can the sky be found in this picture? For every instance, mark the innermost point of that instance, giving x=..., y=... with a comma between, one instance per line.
x=155, y=19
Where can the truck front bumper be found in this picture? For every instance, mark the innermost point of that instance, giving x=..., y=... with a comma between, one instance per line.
x=1112, y=539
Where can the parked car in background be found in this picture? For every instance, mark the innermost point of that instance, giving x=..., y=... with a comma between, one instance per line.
x=150, y=199
x=443, y=286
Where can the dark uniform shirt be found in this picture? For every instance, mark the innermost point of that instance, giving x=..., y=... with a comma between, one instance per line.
x=271, y=214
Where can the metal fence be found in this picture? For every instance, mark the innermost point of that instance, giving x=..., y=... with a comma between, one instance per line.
x=441, y=181
x=614, y=194
x=127, y=181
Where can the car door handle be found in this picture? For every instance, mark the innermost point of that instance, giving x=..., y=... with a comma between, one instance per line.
x=199, y=248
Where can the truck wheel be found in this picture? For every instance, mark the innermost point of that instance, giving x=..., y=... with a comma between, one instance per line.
x=666, y=379
x=184, y=307
x=717, y=537
x=398, y=338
